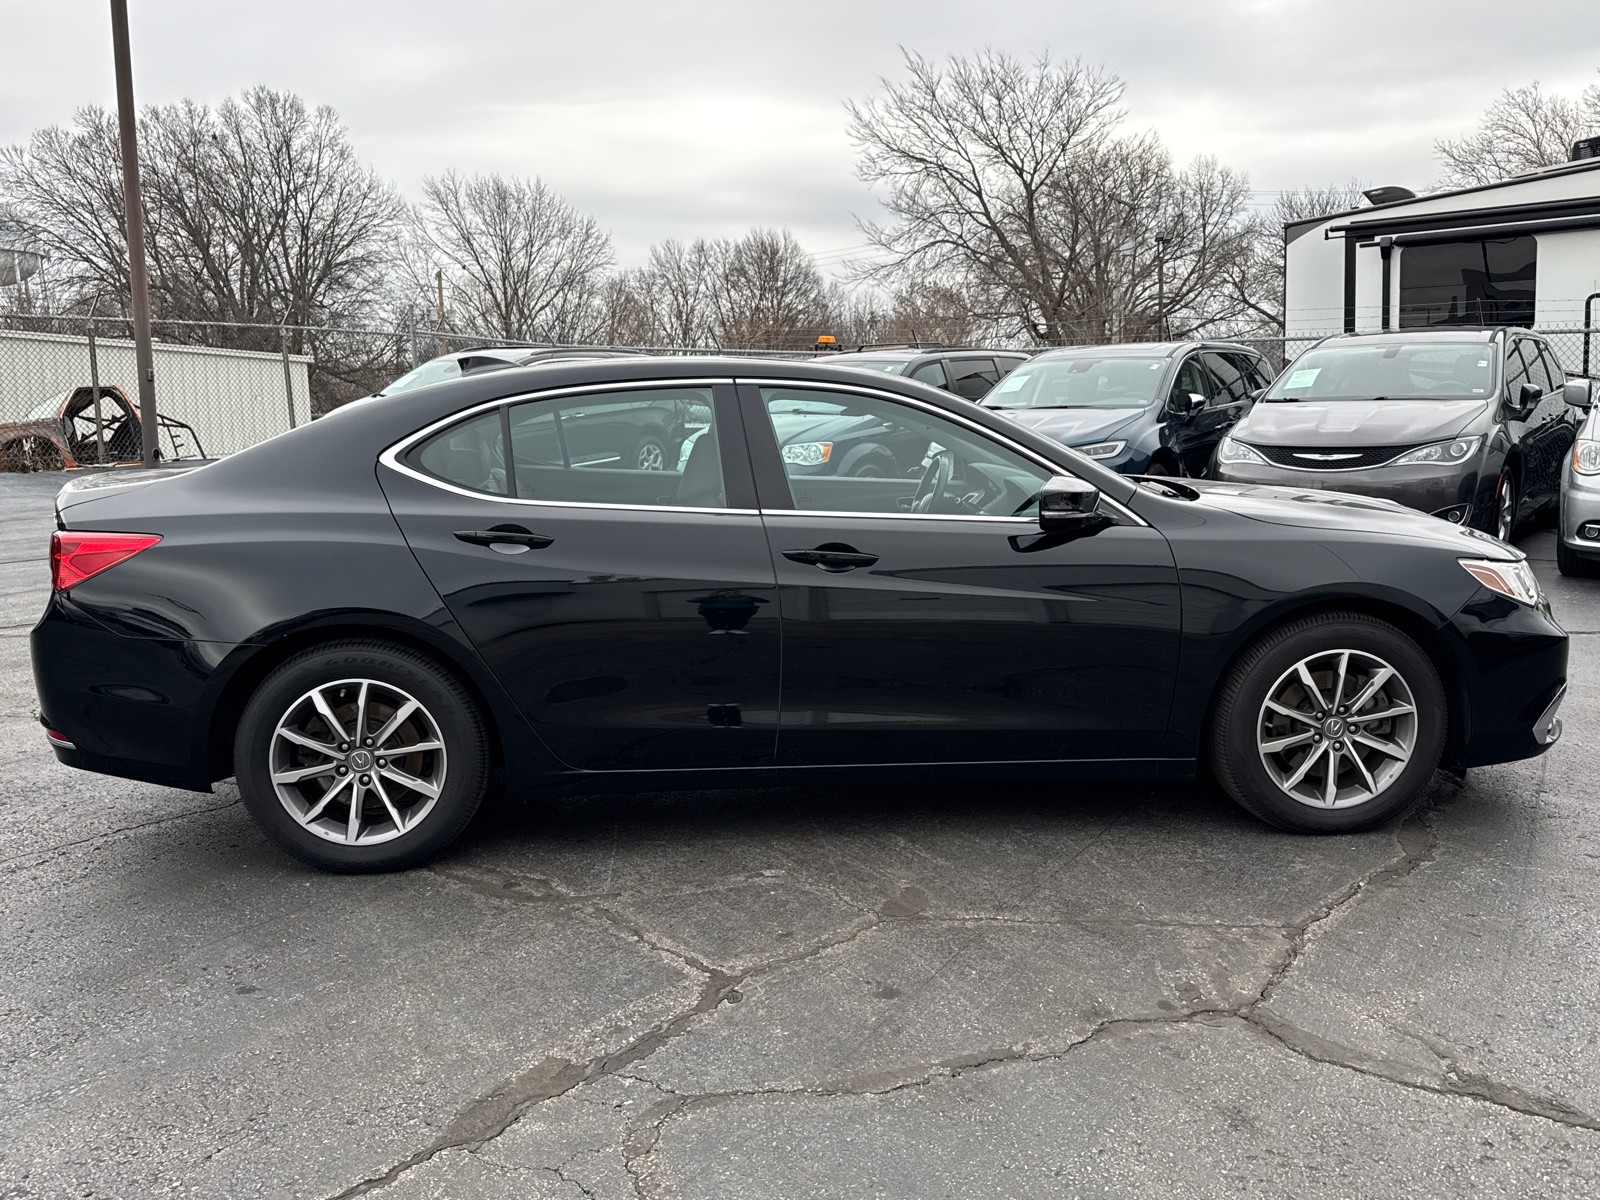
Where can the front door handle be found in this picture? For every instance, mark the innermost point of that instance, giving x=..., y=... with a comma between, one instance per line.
x=507, y=539
x=832, y=556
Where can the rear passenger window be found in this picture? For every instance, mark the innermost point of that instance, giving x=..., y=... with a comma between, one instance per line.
x=470, y=455
x=930, y=373
x=972, y=377
x=655, y=447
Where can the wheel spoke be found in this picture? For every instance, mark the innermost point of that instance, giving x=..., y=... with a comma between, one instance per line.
x=1294, y=714
x=394, y=813
x=300, y=739
x=1366, y=775
x=1330, y=785
x=361, y=713
x=352, y=829
x=418, y=748
x=1397, y=752
x=1373, y=684
x=1394, y=710
x=303, y=773
x=394, y=723
x=411, y=781
x=1305, y=766
x=334, y=723
x=1278, y=745
x=1310, y=686
x=315, y=810
x=1338, y=685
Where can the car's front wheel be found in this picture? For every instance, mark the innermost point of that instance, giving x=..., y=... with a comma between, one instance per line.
x=361, y=756
x=1329, y=724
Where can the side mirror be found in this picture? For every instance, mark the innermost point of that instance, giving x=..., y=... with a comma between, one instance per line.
x=1579, y=393
x=1067, y=505
x=1256, y=395
x=1528, y=396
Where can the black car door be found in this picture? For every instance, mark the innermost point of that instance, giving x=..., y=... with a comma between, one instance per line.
x=1194, y=421
x=926, y=619
x=631, y=614
x=1549, y=426
x=1235, y=385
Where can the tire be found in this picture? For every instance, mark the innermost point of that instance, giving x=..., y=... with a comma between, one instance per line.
x=1571, y=564
x=1161, y=469
x=398, y=825
x=1503, y=516
x=649, y=455
x=1377, y=786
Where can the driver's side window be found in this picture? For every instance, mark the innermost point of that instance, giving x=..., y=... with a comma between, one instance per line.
x=849, y=453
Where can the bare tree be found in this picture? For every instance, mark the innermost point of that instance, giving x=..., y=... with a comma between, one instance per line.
x=1256, y=277
x=258, y=211
x=520, y=261
x=1523, y=130
x=1008, y=184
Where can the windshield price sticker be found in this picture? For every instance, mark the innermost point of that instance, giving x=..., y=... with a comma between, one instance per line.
x=1303, y=378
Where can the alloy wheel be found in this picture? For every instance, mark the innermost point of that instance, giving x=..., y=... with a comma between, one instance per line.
x=357, y=761
x=1506, y=511
x=1337, y=728
x=651, y=457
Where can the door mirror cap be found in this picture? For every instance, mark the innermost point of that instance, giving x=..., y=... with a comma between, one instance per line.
x=1068, y=505
x=1579, y=393
x=1528, y=396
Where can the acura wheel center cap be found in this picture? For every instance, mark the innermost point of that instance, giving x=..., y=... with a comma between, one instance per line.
x=361, y=760
x=1333, y=727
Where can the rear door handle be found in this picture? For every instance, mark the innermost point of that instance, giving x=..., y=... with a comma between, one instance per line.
x=507, y=539
x=832, y=557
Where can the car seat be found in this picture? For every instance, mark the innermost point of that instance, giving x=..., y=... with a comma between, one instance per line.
x=701, y=483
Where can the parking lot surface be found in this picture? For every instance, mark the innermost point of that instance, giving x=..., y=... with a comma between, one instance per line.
x=1008, y=990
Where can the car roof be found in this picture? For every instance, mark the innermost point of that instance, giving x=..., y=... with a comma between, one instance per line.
x=1433, y=333
x=1141, y=349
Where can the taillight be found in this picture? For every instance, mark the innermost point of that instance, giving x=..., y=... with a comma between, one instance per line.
x=74, y=557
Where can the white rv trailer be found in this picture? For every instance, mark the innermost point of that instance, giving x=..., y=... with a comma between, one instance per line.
x=1525, y=251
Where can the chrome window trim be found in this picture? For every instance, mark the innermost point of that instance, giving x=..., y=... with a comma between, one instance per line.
x=894, y=397
x=391, y=457
x=879, y=516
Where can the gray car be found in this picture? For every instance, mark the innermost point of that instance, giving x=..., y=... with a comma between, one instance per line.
x=1578, y=531
x=1470, y=425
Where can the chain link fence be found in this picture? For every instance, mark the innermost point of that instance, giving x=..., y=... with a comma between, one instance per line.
x=69, y=386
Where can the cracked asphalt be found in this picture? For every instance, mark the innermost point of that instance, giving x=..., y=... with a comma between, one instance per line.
x=1018, y=990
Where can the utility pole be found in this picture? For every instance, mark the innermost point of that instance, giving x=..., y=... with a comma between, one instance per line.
x=1161, y=286
x=133, y=207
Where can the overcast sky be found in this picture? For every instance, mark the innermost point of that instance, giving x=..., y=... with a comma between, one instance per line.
x=669, y=119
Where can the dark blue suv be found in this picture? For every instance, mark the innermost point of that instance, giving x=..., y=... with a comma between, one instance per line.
x=1142, y=408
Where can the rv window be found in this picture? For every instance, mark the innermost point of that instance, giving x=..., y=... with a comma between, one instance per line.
x=1468, y=283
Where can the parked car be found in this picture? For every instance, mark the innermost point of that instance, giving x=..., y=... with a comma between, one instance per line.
x=1470, y=425
x=63, y=432
x=1138, y=408
x=1578, y=526
x=492, y=358
x=968, y=373
x=461, y=601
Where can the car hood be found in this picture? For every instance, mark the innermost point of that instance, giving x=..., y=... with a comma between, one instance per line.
x=1309, y=508
x=1357, y=422
x=1072, y=426
x=807, y=427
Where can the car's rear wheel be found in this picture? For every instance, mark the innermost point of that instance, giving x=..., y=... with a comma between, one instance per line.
x=1329, y=724
x=650, y=454
x=361, y=756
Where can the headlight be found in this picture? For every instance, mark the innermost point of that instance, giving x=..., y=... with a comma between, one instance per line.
x=1440, y=452
x=807, y=454
x=1514, y=579
x=1586, y=458
x=1102, y=449
x=1231, y=451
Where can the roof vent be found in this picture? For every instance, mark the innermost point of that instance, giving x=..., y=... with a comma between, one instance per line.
x=1585, y=148
x=1388, y=195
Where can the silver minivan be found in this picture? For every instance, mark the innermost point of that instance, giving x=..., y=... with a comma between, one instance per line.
x=1578, y=531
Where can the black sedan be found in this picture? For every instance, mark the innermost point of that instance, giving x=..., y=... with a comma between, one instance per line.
x=368, y=618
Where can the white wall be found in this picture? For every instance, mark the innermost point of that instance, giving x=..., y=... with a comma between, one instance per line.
x=233, y=398
x=1569, y=270
x=1314, y=284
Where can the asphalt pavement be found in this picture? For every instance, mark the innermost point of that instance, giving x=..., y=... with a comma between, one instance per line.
x=1016, y=990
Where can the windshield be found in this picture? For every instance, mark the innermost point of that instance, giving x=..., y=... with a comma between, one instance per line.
x=436, y=371
x=48, y=409
x=1111, y=382
x=1397, y=371
x=891, y=366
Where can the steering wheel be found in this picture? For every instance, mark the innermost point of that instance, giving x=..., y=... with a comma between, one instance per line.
x=935, y=481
